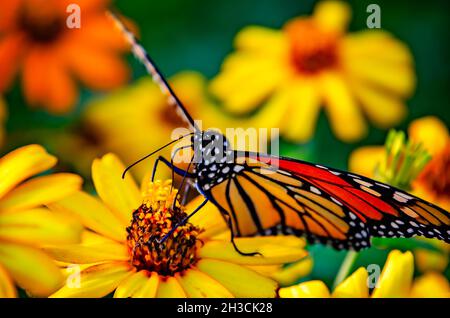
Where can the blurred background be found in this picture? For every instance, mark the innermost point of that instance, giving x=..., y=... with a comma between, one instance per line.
x=197, y=35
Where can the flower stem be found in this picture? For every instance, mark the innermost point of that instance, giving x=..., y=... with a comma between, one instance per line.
x=345, y=268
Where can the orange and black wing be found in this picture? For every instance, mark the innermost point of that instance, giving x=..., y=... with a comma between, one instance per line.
x=271, y=195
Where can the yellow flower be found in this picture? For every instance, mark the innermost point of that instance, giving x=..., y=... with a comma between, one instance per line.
x=136, y=120
x=3, y=115
x=396, y=281
x=312, y=62
x=431, y=285
x=119, y=252
x=26, y=225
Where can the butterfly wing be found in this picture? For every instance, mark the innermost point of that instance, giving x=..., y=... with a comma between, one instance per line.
x=280, y=195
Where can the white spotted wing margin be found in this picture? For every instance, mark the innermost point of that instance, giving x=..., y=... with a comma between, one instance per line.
x=410, y=215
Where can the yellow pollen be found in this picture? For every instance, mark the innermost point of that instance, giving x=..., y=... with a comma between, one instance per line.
x=151, y=222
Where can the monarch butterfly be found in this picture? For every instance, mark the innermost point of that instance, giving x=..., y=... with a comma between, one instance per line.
x=258, y=197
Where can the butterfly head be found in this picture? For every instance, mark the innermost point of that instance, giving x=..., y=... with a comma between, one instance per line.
x=211, y=147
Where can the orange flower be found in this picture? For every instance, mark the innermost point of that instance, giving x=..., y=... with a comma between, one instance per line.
x=433, y=184
x=35, y=37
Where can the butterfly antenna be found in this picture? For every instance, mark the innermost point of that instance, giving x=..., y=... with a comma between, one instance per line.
x=152, y=153
x=140, y=53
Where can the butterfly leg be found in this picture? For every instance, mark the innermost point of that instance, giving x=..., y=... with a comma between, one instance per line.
x=174, y=168
x=183, y=221
x=228, y=217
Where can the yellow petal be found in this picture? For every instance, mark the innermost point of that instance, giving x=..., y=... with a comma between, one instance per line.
x=364, y=160
x=7, y=288
x=261, y=40
x=128, y=287
x=92, y=213
x=431, y=132
x=305, y=107
x=274, y=250
x=396, y=78
x=122, y=196
x=240, y=281
x=310, y=289
x=96, y=281
x=37, y=227
x=346, y=119
x=41, y=191
x=395, y=280
x=371, y=44
x=354, y=286
x=431, y=285
x=246, y=81
x=383, y=109
x=333, y=15
x=30, y=268
x=199, y=285
x=272, y=113
x=21, y=164
x=170, y=288
x=150, y=287
x=93, y=249
x=293, y=272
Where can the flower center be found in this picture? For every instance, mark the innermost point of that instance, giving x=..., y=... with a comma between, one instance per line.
x=312, y=49
x=151, y=222
x=42, y=24
x=436, y=175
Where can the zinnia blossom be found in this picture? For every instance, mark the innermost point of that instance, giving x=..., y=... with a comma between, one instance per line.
x=121, y=253
x=36, y=40
x=311, y=63
x=395, y=281
x=26, y=224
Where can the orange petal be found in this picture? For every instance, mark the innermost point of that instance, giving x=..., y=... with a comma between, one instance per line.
x=10, y=51
x=34, y=65
x=8, y=14
x=98, y=69
x=61, y=90
x=87, y=6
x=99, y=31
